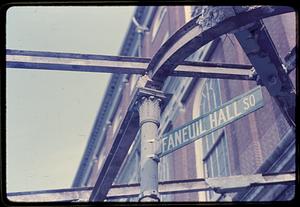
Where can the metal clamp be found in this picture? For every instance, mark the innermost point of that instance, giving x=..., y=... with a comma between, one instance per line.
x=253, y=73
x=149, y=196
x=157, y=147
x=154, y=157
x=150, y=120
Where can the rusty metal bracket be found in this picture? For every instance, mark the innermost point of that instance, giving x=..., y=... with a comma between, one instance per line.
x=263, y=55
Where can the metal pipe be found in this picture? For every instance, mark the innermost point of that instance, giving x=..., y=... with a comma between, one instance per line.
x=149, y=112
x=140, y=29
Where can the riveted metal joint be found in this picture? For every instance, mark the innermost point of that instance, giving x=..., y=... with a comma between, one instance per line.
x=253, y=73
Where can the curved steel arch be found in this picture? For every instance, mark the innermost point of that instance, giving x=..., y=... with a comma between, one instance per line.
x=191, y=37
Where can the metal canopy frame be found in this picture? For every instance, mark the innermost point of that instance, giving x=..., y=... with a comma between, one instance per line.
x=220, y=185
x=168, y=61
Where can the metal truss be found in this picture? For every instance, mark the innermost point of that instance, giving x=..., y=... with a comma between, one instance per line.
x=221, y=185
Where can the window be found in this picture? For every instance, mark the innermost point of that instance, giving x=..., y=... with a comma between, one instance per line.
x=215, y=152
x=161, y=12
x=116, y=122
x=166, y=36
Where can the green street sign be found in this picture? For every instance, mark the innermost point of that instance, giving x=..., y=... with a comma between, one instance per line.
x=232, y=110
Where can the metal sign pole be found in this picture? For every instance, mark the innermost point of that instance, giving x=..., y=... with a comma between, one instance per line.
x=149, y=112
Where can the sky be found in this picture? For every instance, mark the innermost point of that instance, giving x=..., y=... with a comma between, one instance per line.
x=50, y=114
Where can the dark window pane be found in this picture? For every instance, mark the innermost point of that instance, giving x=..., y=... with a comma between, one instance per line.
x=214, y=163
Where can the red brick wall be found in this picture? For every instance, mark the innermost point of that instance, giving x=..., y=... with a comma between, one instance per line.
x=172, y=21
x=252, y=138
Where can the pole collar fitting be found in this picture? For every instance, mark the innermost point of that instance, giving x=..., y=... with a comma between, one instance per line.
x=149, y=120
x=154, y=157
x=149, y=196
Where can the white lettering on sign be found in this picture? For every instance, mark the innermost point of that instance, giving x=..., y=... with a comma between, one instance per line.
x=249, y=102
x=171, y=143
x=207, y=123
x=178, y=137
x=183, y=135
x=224, y=115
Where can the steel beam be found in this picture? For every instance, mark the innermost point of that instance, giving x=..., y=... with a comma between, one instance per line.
x=21, y=59
x=238, y=182
x=263, y=55
x=55, y=195
x=227, y=184
x=214, y=70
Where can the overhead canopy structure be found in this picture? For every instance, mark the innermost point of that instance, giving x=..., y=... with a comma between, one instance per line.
x=175, y=50
x=170, y=60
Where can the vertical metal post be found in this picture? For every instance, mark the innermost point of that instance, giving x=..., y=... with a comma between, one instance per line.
x=140, y=34
x=149, y=112
x=140, y=29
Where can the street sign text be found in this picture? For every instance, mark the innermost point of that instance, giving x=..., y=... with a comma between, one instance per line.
x=232, y=110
